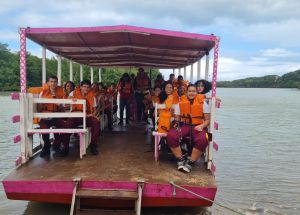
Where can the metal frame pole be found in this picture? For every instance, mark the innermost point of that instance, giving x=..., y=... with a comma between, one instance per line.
x=179, y=71
x=207, y=66
x=92, y=74
x=173, y=71
x=100, y=78
x=184, y=73
x=23, y=81
x=81, y=72
x=192, y=73
x=199, y=69
x=71, y=71
x=44, y=65
x=59, y=70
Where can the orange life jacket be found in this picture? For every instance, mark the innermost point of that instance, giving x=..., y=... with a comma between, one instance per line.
x=89, y=101
x=59, y=94
x=35, y=90
x=192, y=113
x=142, y=82
x=164, y=121
x=154, y=99
x=127, y=89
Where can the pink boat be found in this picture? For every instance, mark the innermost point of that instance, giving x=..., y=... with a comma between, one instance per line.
x=126, y=173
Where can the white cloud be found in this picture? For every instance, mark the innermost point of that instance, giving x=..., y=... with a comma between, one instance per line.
x=278, y=52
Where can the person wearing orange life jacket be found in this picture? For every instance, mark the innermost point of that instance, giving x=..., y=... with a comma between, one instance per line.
x=50, y=90
x=142, y=85
x=91, y=120
x=99, y=99
x=194, y=115
x=165, y=115
x=125, y=88
x=159, y=81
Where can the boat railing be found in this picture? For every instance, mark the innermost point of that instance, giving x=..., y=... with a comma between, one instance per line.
x=208, y=155
x=28, y=112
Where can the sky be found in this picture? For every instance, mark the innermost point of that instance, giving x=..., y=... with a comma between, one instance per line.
x=258, y=37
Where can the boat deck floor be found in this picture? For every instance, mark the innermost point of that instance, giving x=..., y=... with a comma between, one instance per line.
x=124, y=155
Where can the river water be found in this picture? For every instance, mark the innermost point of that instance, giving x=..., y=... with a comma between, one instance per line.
x=258, y=164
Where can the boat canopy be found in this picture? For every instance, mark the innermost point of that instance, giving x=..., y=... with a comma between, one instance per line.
x=124, y=45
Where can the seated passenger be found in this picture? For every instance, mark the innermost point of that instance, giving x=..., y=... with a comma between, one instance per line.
x=194, y=116
x=125, y=88
x=99, y=99
x=68, y=88
x=159, y=81
x=51, y=91
x=204, y=87
x=165, y=97
x=91, y=120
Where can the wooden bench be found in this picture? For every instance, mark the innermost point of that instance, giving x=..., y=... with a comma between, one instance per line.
x=28, y=107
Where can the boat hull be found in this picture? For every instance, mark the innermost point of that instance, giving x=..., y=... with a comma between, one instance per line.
x=154, y=195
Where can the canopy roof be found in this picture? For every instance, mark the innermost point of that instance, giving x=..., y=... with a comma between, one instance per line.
x=124, y=45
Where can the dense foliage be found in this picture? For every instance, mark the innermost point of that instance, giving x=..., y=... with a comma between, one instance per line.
x=10, y=78
x=288, y=80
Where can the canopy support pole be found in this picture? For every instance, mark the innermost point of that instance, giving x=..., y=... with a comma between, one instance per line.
x=192, y=73
x=184, y=73
x=23, y=81
x=59, y=70
x=199, y=69
x=215, y=67
x=207, y=66
x=100, y=78
x=92, y=75
x=173, y=71
x=71, y=71
x=43, y=65
x=179, y=71
x=81, y=73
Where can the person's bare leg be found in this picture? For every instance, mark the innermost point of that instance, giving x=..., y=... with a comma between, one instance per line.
x=176, y=151
x=195, y=154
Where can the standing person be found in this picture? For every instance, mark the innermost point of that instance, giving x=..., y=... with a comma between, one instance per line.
x=159, y=81
x=141, y=85
x=92, y=121
x=125, y=88
x=51, y=91
x=194, y=115
x=172, y=79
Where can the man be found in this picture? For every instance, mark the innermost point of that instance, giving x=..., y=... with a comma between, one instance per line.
x=51, y=91
x=142, y=85
x=84, y=92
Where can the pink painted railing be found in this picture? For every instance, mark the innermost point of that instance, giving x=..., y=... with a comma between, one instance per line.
x=15, y=118
x=17, y=138
x=15, y=96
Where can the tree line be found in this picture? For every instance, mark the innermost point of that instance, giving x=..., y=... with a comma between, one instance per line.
x=288, y=80
x=10, y=71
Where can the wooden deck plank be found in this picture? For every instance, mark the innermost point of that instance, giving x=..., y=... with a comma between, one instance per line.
x=107, y=194
x=122, y=157
x=104, y=212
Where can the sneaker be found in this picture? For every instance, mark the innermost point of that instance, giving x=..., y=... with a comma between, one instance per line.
x=61, y=153
x=180, y=163
x=94, y=150
x=45, y=152
x=188, y=165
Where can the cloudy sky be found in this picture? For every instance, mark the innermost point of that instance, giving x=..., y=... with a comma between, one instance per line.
x=258, y=37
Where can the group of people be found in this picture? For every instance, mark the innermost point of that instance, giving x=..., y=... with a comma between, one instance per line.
x=186, y=112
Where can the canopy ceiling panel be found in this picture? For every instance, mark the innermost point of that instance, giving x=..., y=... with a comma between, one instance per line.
x=124, y=45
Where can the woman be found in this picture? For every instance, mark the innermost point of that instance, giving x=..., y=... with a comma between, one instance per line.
x=204, y=87
x=194, y=116
x=165, y=97
x=68, y=88
x=125, y=88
